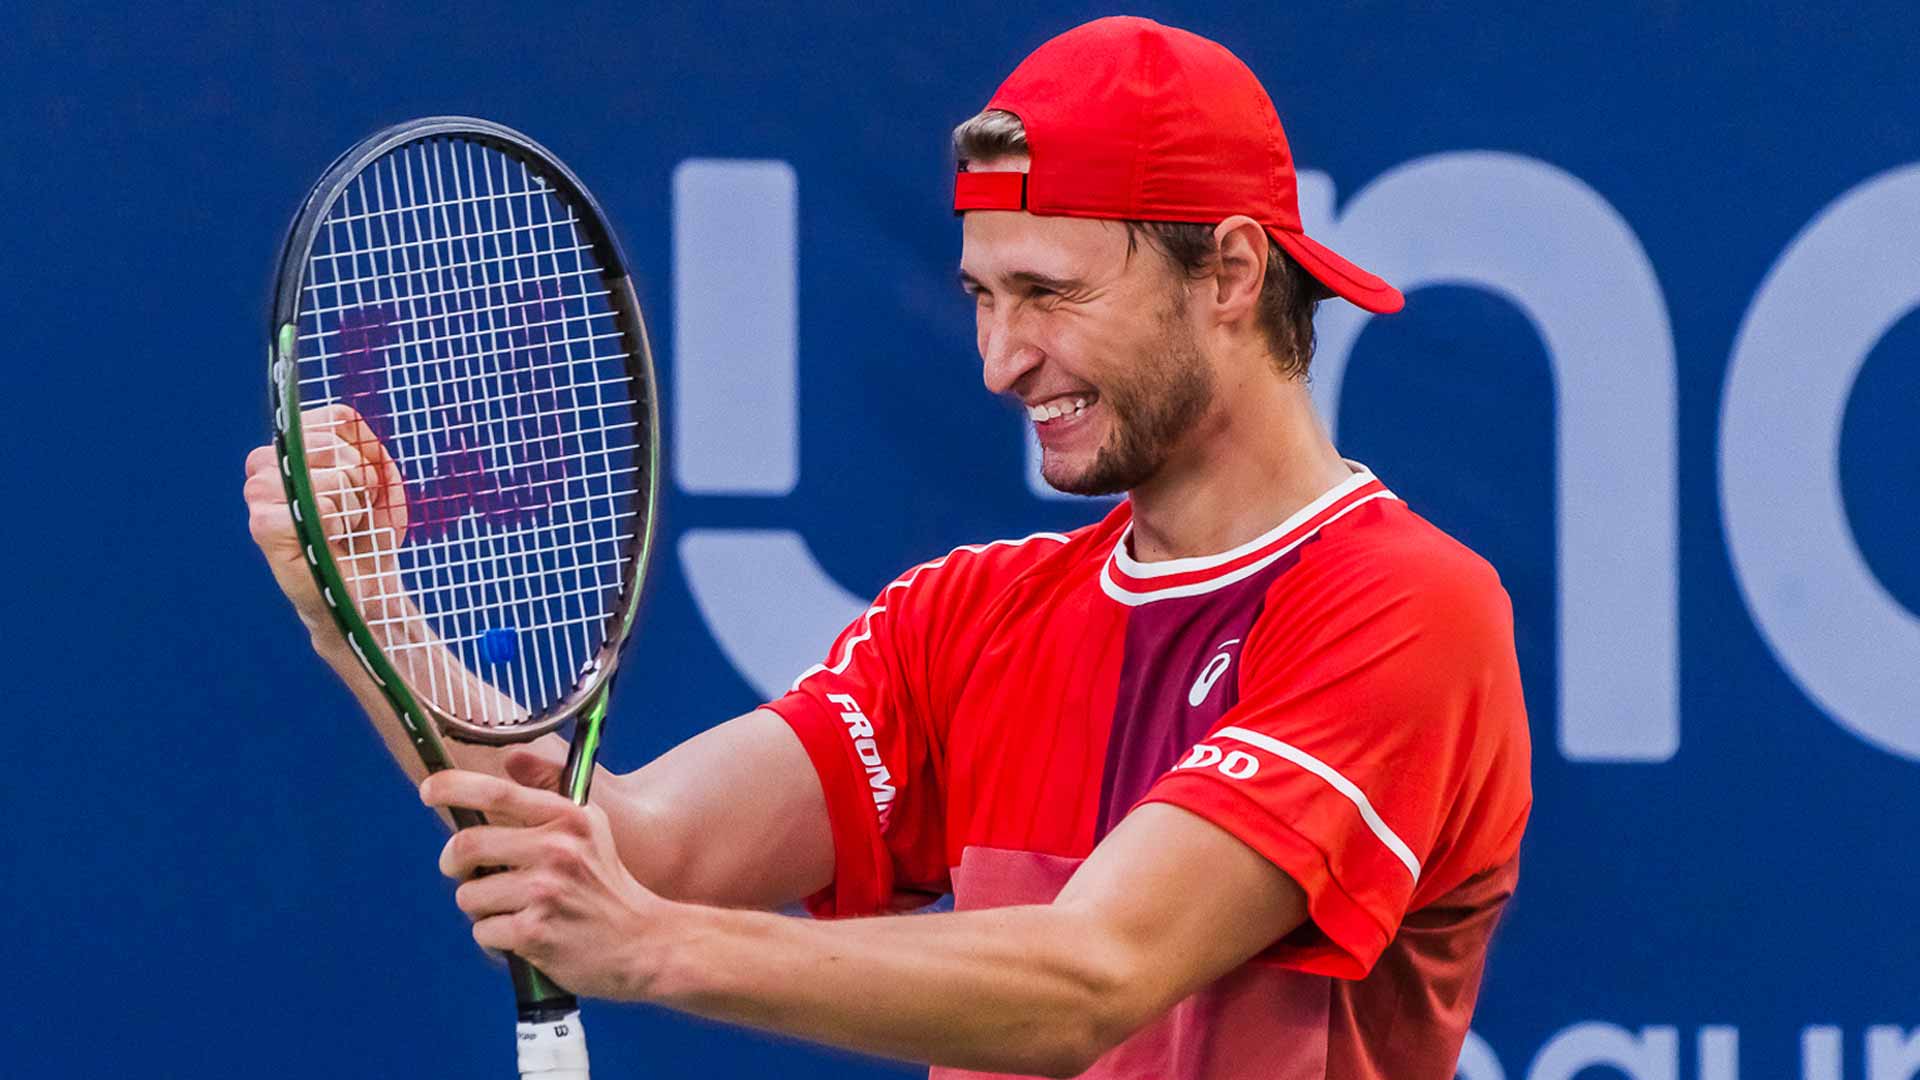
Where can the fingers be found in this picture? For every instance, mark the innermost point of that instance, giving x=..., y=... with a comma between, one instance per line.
x=501, y=933
x=262, y=459
x=499, y=797
x=481, y=847
x=533, y=770
x=359, y=498
x=352, y=452
x=335, y=450
x=342, y=506
x=503, y=894
x=337, y=489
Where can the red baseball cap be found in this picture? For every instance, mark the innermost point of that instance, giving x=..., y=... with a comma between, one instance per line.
x=1129, y=119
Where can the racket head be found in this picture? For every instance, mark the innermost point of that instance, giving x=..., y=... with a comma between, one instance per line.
x=459, y=369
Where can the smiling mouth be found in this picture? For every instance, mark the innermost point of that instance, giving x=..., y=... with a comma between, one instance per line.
x=1057, y=411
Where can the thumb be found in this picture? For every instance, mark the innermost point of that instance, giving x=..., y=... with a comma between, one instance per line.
x=532, y=770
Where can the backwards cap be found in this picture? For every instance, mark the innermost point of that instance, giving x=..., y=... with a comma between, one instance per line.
x=1129, y=119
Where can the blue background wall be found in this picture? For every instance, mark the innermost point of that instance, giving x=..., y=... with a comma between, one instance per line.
x=207, y=863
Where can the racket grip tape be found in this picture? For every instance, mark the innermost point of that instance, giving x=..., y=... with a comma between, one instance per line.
x=554, y=1048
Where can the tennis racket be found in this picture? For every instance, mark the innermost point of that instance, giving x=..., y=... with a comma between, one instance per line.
x=465, y=412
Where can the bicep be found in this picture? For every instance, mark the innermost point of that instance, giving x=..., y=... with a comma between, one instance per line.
x=1181, y=902
x=733, y=816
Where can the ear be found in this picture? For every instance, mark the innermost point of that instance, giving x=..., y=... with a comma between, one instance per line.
x=1241, y=271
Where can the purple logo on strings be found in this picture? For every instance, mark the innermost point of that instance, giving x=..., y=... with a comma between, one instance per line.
x=477, y=430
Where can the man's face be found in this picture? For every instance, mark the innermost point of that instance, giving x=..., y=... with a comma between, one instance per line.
x=1096, y=342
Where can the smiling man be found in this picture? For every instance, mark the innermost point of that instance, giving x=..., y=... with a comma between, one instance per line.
x=1229, y=784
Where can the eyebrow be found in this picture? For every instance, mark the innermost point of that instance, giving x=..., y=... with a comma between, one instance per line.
x=1028, y=278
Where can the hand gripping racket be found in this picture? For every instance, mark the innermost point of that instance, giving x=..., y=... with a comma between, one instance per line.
x=466, y=417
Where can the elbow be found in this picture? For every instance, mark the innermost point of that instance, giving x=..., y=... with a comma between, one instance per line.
x=649, y=838
x=1109, y=1008
x=1081, y=1042
x=1067, y=1060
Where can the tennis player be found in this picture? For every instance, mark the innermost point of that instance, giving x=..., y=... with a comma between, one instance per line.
x=1230, y=784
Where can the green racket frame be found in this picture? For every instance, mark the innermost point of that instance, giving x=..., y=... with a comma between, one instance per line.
x=539, y=998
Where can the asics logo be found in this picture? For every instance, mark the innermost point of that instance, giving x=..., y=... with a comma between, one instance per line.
x=1210, y=674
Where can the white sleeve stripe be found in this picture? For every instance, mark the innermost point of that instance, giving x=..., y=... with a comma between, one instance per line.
x=901, y=582
x=1339, y=783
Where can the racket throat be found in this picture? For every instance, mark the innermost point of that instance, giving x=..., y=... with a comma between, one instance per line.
x=576, y=780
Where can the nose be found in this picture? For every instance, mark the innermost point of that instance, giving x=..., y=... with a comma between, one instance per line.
x=1006, y=356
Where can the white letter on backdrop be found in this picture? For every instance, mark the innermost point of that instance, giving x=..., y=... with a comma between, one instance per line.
x=771, y=606
x=1842, y=284
x=1653, y=1055
x=1554, y=248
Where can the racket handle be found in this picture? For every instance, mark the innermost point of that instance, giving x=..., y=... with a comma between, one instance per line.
x=554, y=1048
x=551, y=1042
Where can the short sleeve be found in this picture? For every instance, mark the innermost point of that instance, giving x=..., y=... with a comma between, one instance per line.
x=867, y=718
x=1371, y=752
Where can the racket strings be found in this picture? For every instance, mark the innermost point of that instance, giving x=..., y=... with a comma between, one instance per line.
x=423, y=340
x=372, y=281
x=457, y=313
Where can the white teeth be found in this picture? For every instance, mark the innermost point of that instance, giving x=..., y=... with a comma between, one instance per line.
x=1051, y=411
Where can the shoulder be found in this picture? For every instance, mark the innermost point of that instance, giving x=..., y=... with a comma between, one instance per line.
x=978, y=572
x=1387, y=550
x=1385, y=565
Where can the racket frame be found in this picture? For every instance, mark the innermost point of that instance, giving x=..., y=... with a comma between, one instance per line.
x=421, y=718
x=540, y=1000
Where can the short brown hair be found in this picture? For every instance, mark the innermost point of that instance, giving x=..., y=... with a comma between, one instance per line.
x=1287, y=298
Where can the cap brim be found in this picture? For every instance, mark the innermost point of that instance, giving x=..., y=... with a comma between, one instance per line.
x=1342, y=278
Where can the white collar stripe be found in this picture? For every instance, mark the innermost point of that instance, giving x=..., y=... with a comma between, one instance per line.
x=1167, y=568
x=1131, y=598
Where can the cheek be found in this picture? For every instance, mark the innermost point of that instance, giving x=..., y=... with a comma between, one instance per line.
x=1096, y=351
x=1065, y=339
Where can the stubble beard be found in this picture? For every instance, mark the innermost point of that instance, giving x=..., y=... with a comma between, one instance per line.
x=1151, y=412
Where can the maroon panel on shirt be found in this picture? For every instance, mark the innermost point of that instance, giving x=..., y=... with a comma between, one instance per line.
x=1178, y=676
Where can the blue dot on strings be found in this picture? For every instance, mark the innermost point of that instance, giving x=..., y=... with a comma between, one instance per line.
x=500, y=645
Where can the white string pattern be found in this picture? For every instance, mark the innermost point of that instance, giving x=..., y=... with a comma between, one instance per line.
x=452, y=306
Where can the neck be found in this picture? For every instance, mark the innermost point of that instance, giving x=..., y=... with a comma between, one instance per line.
x=1256, y=459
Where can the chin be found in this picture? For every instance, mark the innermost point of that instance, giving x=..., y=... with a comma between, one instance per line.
x=1083, y=479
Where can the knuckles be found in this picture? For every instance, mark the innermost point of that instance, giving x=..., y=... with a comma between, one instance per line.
x=576, y=822
x=543, y=893
x=264, y=525
x=528, y=934
x=564, y=853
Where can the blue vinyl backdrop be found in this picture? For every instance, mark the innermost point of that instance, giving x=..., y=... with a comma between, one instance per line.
x=1658, y=364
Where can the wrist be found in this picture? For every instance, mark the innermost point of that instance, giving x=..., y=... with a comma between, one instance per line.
x=332, y=646
x=664, y=960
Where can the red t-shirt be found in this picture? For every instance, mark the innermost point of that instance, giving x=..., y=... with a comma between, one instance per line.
x=1339, y=694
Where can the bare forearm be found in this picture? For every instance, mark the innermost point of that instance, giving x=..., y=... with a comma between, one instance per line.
x=732, y=817
x=339, y=656
x=1018, y=989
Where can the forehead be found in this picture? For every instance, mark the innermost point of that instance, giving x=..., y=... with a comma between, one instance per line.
x=995, y=243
